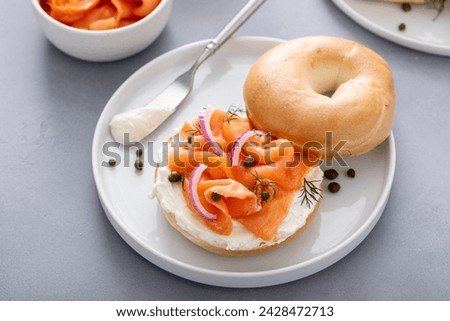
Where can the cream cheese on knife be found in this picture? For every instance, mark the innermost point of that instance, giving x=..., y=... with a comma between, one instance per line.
x=132, y=126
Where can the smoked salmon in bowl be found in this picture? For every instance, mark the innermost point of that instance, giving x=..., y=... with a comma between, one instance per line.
x=235, y=190
x=102, y=31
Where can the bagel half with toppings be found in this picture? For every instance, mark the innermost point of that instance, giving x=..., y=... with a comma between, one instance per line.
x=225, y=185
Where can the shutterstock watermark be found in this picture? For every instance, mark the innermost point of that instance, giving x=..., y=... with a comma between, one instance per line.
x=190, y=152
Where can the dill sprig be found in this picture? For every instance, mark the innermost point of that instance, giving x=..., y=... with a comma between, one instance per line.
x=262, y=186
x=267, y=137
x=234, y=112
x=310, y=193
x=196, y=129
x=439, y=5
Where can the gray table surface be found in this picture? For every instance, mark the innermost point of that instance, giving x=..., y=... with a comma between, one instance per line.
x=56, y=242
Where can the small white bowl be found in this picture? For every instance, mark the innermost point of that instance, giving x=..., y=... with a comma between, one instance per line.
x=105, y=45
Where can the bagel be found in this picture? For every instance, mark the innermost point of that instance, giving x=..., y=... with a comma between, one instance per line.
x=257, y=209
x=330, y=94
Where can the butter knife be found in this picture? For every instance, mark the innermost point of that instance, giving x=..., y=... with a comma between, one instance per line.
x=134, y=125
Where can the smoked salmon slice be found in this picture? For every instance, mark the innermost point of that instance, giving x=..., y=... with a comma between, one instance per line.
x=146, y=7
x=102, y=13
x=69, y=11
x=223, y=223
x=235, y=199
x=265, y=223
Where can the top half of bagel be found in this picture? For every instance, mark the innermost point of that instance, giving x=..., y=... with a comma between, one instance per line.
x=310, y=89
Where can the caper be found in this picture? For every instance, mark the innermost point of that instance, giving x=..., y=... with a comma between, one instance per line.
x=139, y=152
x=351, y=172
x=174, y=177
x=334, y=187
x=139, y=165
x=216, y=196
x=112, y=162
x=401, y=27
x=406, y=7
x=265, y=195
x=249, y=161
x=330, y=174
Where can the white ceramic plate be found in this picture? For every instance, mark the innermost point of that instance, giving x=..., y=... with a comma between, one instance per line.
x=423, y=32
x=344, y=219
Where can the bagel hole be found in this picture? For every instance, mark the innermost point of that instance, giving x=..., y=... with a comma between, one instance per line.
x=329, y=93
x=326, y=79
x=323, y=80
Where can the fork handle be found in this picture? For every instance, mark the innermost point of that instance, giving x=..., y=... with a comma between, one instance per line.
x=229, y=30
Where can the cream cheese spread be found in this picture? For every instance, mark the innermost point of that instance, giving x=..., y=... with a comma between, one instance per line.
x=137, y=123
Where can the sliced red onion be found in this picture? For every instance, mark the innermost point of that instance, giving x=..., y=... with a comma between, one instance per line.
x=237, y=146
x=193, y=193
x=204, y=119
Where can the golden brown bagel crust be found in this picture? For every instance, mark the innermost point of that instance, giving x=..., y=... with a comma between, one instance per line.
x=286, y=94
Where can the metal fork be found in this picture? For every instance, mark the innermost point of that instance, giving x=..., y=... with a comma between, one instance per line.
x=134, y=125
